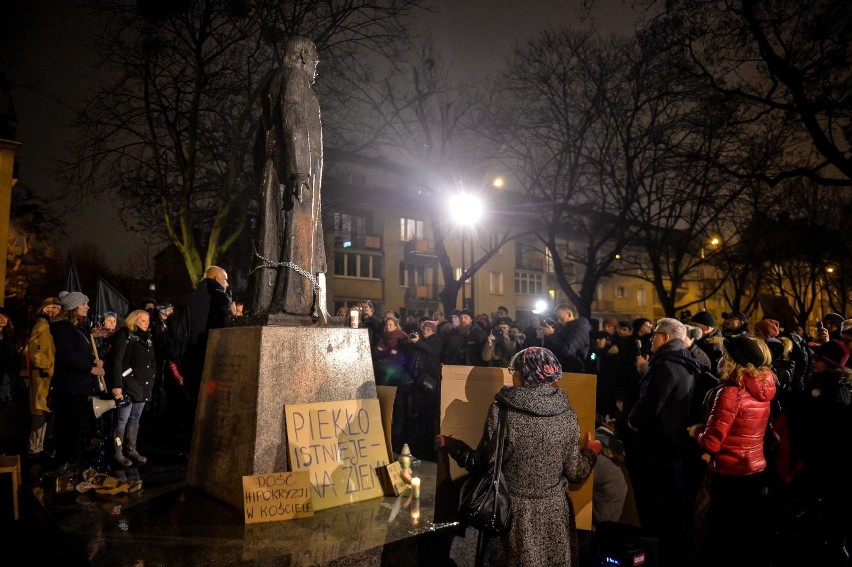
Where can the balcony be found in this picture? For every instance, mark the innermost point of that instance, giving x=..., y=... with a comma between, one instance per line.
x=418, y=250
x=421, y=292
x=372, y=242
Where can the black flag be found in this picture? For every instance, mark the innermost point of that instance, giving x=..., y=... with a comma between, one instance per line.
x=72, y=281
x=109, y=299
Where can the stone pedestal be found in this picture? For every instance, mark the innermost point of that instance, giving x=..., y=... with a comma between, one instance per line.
x=249, y=375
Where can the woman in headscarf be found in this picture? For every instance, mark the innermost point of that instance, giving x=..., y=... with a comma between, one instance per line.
x=542, y=454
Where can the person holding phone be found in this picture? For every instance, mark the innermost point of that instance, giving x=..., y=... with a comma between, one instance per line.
x=500, y=345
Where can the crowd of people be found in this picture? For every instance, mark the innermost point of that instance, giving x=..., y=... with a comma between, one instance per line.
x=700, y=428
x=689, y=416
x=144, y=364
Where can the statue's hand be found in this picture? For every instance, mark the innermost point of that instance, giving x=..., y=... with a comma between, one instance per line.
x=300, y=180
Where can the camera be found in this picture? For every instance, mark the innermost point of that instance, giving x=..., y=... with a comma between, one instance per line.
x=819, y=325
x=498, y=334
x=547, y=321
x=414, y=334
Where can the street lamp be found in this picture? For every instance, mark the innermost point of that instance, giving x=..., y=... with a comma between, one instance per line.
x=466, y=210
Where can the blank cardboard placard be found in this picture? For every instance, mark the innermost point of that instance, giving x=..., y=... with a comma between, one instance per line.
x=276, y=496
x=466, y=393
x=340, y=444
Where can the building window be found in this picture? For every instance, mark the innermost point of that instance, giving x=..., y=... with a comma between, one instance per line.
x=620, y=292
x=410, y=229
x=411, y=274
x=349, y=230
x=529, y=283
x=353, y=265
x=641, y=298
x=495, y=283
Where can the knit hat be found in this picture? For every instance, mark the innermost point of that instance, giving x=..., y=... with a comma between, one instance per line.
x=70, y=300
x=466, y=312
x=694, y=333
x=735, y=315
x=704, y=318
x=431, y=324
x=537, y=366
x=834, y=318
x=601, y=335
x=769, y=327
x=50, y=301
x=637, y=323
x=834, y=352
x=744, y=351
x=776, y=347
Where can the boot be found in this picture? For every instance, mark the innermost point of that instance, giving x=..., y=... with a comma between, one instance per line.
x=118, y=455
x=130, y=446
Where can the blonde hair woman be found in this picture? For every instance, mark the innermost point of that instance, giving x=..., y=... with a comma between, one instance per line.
x=133, y=374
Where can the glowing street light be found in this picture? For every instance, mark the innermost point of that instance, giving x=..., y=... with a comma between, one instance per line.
x=466, y=210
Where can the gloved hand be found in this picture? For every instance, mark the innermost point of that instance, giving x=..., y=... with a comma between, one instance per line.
x=176, y=373
x=592, y=443
x=693, y=429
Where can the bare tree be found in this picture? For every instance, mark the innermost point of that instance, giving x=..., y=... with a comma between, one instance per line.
x=169, y=134
x=545, y=121
x=786, y=63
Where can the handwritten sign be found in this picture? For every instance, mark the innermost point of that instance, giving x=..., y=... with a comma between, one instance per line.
x=390, y=477
x=276, y=496
x=340, y=444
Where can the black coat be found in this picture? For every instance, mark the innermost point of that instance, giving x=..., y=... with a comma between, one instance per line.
x=74, y=360
x=133, y=350
x=570, y=344
x=661, y=413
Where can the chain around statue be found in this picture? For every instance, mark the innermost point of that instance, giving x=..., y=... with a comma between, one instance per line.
x=272, y=265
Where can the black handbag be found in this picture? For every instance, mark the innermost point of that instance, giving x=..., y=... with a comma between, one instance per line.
x=484, y=503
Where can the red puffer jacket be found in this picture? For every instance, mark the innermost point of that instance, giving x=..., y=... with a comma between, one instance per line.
x=737, y=423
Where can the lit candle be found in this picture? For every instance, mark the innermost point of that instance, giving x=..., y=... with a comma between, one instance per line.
x=415, y=486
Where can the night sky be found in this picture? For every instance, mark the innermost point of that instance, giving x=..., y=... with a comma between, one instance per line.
x=475, y=37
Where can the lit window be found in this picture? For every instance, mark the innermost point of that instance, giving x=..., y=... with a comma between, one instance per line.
x=620, y=292
x=529, y=283
x=354, y=265
x=641, y=298
x=410, y=229
x=495, y=283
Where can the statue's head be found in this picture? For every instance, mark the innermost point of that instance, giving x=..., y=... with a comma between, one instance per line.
x=301, y=53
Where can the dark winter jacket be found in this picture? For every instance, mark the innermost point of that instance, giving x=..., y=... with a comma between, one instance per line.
x=821, y=425
x=570, y=344
x=542, y=454
x=133, y=351
x=464, y=350
x=661, y=414
x=737, y=424
x=74, y=360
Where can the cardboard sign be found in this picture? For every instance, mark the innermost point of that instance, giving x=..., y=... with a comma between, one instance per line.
x=390, y=476
x=276, y=496
x=340, y=444
x=466, y=393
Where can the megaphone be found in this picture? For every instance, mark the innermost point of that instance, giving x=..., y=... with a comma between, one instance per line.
x=101, y=406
